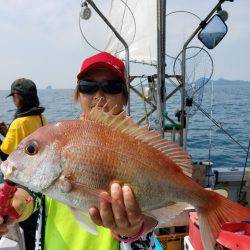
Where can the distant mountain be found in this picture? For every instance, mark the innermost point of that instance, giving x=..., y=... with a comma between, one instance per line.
x=224, y=81
x=49, y=87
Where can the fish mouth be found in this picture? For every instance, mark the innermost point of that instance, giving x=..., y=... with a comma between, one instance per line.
x=8, y=168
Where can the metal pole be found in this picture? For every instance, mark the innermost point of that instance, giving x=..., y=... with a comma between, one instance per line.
x=243, y=175
x=161, y=35
x=183, y=67
x=90, y=2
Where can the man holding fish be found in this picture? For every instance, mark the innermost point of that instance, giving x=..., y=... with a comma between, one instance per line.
x=27, y=118
x=102, y=83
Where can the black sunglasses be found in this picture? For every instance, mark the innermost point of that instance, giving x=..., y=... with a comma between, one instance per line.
x=108, y=86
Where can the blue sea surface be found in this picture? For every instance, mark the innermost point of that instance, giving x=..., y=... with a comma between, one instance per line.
x=231, y=107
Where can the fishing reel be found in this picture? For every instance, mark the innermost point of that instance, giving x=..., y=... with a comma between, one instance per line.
x=150, y=91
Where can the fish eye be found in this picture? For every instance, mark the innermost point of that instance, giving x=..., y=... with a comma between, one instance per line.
x=31, y=148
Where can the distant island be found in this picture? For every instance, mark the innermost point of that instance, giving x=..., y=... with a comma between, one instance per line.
x=221, y=81
x=49, y=87
x=224, y=81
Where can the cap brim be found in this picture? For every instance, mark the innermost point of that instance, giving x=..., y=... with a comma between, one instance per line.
x=102, y=65
x=9, y=95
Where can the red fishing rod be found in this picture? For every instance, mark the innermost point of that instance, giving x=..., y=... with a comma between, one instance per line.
x=7, y=192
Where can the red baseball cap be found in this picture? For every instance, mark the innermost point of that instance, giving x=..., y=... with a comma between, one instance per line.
x=103, y=60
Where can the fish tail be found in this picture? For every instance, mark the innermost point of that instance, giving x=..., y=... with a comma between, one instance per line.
x=215, y=213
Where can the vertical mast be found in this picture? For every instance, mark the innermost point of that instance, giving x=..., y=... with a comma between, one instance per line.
x=161, y=35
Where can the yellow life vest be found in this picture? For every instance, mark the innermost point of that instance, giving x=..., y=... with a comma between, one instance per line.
x=62, y=231
x=19, y=129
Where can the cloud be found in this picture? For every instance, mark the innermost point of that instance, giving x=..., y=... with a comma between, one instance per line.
x=41, y=39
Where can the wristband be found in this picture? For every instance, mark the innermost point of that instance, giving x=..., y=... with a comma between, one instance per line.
x=129, y=239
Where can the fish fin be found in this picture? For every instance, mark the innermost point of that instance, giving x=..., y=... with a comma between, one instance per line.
x=118, y=122
x=127, y=126
x=169, y=215
x=84, y=220
x=89, y=190
x=222, y=192
x=215, y=213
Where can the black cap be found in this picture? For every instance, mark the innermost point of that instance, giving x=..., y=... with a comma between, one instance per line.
x=23, y=86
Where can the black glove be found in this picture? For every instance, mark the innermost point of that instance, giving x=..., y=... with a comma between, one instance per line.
x=3, y=129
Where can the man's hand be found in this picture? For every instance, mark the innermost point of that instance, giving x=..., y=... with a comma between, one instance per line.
x=24, y=209
x=123, y=215
x=4, y=226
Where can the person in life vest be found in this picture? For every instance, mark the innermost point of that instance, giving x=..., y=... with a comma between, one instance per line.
x=121, y=224
x=27, y=118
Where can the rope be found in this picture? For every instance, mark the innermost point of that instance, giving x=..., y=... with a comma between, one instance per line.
x=219, y=126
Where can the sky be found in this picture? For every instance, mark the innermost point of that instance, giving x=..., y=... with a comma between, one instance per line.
x=41, y=39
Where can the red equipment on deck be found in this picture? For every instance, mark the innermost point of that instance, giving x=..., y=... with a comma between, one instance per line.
x=234, y=236
x=194, y=231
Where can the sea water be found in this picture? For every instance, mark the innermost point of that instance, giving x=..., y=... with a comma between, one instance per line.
x=231, y=108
